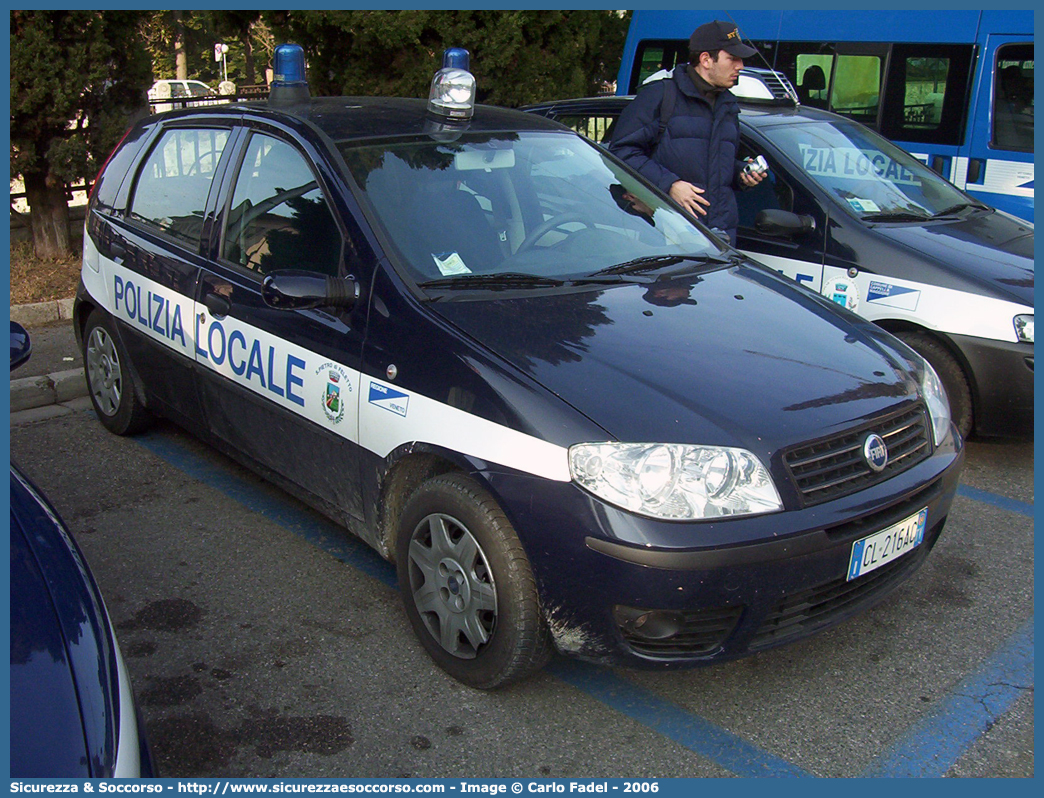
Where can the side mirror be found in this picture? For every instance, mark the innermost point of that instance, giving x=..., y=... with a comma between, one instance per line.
x=286, y=289
x=774, y=222
x=21, y=346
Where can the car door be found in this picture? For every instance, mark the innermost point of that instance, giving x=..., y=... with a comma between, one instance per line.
x=799, y=256
x=151, y=257
x=996, y=164
x=280, y=386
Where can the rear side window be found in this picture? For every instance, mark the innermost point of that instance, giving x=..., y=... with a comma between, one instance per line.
x=172, y=188
x=597, y=127
x=279, y=218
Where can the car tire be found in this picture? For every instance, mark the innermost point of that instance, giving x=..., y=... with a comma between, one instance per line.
x=467, y=585
x=952, y=375
x=106, y=367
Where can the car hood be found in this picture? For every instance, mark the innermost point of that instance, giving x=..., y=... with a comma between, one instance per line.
x=989, y=252
x=736, y=356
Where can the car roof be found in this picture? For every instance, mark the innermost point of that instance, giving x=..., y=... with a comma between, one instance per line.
x=755, y=113
x=346, y=119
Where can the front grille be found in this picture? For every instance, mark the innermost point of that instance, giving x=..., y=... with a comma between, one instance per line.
x=802, y=613
x=834, y=467
x=700, y=632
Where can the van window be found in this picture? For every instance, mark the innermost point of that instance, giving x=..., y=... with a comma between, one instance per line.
x=926, y=99
x=172, y=188
x=1013, y=98
x=856, y=87
x=279, y=218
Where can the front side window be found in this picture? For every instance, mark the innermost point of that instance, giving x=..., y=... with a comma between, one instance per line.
x=279, y=218
x=1013, y=98
x=172, y=188
x=538, y=206
x=871, y=177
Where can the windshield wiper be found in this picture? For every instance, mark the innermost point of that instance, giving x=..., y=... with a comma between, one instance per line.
x=960, y=206
x=493, y=281
x=652, y=262
x=895, y=216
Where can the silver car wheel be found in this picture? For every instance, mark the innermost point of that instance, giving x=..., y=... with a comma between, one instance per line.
x=452, y=585
x=103, y=372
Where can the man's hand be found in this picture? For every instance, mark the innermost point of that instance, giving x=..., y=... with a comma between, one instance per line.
x=751, y=179
x=689, y=197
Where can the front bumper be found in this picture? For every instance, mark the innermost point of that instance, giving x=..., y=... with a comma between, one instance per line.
x=616, y=591
x=1003, y=389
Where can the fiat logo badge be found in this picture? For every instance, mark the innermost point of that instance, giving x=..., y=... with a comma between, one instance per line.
x=875, y=452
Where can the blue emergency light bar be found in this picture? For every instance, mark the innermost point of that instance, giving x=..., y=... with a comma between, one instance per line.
x=289, y=84
x=456, y=58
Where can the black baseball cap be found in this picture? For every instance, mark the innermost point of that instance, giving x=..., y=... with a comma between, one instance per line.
x=718, y=35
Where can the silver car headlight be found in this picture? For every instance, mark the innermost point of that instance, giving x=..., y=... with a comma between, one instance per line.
x=675, y=481
x=1024, y=328
x=935, y=398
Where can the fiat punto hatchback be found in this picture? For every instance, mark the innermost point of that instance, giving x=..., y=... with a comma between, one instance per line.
x=570, y=417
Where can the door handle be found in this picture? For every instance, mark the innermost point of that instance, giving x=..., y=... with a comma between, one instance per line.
x=217, y=305
x=975, y=170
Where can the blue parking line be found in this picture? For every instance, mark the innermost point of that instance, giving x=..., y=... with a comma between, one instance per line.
x=316, y=529
x=1015, y=506
x=691, y=731
x=934, y=744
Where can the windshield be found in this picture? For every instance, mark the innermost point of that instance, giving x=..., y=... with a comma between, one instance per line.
x=516, y=208
x=871, y=177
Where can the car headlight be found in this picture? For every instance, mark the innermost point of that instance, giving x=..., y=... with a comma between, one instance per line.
x=935, y=398
x=1024, y=328
x=675, y=481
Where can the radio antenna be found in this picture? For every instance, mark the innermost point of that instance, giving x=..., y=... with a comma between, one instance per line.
x=791, y=92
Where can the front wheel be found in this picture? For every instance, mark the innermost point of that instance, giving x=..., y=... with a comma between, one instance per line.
x=951, y=374
x=109, y=383
x=467, y=585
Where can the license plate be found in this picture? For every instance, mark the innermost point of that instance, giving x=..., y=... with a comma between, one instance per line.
x=889, y=544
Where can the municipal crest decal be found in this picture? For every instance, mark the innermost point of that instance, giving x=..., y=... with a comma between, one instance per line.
x=336, y=387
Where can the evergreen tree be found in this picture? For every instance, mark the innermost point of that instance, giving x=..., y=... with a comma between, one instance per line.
x=517, y=56
x=77, y=77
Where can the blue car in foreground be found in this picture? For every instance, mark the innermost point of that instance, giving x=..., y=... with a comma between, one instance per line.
x=72, y=710
x=571, y=417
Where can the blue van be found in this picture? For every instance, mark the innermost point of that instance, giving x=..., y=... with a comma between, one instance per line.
x=954, y=87
x=571, y=417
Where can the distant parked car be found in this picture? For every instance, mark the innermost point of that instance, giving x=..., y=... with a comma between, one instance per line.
x=851, y=216
x=72, y=708
x=181, y=91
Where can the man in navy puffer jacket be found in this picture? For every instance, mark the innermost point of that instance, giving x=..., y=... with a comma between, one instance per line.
x=694, y=158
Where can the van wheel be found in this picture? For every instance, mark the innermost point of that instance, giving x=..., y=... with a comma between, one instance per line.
x=106, y=365
x=467, y=585
x=951, y=374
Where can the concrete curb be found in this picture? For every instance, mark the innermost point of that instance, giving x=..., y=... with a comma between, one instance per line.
x=48, y=389
x=42, y=312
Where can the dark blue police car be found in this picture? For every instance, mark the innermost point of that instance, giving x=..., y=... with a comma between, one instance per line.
x=72, y=708
x=571, y=417
x=851, y=216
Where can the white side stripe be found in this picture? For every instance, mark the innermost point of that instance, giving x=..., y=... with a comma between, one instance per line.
x=378, y=416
